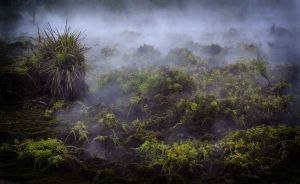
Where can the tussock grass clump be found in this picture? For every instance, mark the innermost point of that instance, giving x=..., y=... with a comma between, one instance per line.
x=62, y=62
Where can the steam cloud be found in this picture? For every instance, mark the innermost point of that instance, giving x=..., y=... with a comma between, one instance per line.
x=165, y=23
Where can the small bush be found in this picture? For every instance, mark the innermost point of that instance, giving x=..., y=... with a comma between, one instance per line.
x=261, y=148
x=200, y=110
x=163, y=81
x=110, y=127
x=213, y=49
x=147, y=52
x=79, y=132
x=108, y=52
x=49, y=152
x=182, y=57
x=172, y=158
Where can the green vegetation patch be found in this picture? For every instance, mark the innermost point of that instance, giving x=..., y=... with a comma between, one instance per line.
x=47, y=153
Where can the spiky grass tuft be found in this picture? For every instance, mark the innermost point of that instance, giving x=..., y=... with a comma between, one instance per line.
x=62, y=62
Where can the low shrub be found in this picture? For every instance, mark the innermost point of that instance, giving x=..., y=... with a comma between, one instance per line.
x=44, y=153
